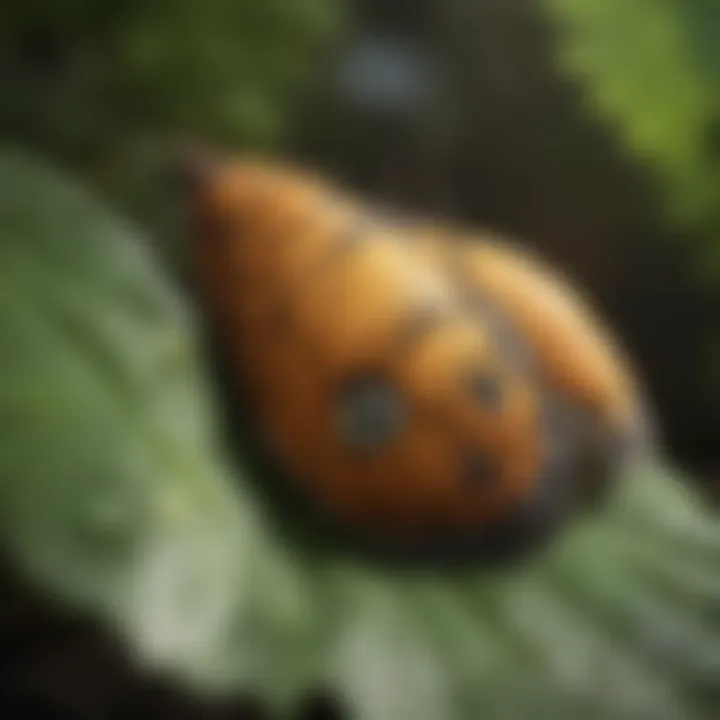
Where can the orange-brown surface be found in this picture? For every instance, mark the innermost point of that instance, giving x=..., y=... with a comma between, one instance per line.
x=312, y=295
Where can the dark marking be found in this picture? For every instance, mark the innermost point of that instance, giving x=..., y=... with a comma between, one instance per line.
x=479, y=472
x=416, y=326
x=371, y=413
x=506, y=335
x=486, y=389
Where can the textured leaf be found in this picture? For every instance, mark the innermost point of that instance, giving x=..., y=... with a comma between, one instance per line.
x=116, y=497
x=112, y=492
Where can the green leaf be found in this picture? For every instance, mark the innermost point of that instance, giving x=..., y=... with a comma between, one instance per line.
x=651, y=70
x=117, y=498
x=113, y=492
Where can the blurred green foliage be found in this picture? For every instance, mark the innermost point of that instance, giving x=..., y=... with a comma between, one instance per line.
x=652, y=68
x=103, y=86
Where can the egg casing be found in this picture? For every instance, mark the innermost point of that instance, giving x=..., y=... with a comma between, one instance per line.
x=398, y=375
